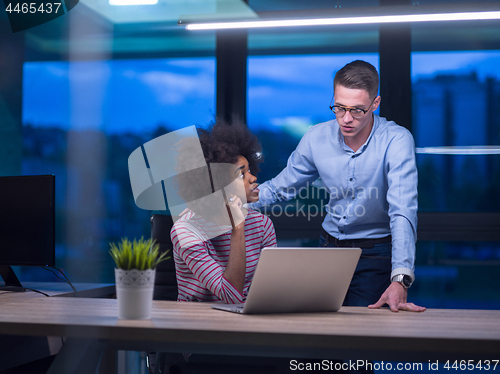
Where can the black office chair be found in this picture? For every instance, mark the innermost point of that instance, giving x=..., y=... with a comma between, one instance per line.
x=165, y=284
x=165, y=281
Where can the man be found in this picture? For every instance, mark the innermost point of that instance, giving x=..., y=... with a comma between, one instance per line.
x=368, y=166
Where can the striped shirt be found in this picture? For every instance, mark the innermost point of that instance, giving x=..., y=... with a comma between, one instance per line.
x=200, y=262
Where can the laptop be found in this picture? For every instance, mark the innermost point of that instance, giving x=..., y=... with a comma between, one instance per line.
x=291, y=280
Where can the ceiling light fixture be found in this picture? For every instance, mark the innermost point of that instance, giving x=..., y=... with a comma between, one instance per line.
x=457, y=150
x=462, y=16
x=133, y=2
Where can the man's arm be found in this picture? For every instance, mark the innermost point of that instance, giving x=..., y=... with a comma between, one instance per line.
x=402, y=195
x=286, y=185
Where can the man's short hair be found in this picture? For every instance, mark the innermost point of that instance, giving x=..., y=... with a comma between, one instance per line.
x=359, y=75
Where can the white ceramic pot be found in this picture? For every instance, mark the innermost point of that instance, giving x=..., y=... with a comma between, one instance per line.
x=134, y=292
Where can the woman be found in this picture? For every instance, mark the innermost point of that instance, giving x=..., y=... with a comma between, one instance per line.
x=217, y=243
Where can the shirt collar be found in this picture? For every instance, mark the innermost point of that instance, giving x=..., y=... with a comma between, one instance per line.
x=341, y=142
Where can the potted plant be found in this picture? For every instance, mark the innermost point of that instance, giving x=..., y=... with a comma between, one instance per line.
x=135, y=276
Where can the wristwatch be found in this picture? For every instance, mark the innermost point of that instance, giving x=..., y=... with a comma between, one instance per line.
x=403, y=279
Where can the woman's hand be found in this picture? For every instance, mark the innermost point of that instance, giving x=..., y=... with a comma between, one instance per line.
x=238, y=212
x=236, y=264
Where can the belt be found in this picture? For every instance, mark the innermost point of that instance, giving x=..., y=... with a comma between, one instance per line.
x=361, y=243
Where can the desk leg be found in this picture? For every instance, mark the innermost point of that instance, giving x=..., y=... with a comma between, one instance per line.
x=160, y=363
x=77, y=356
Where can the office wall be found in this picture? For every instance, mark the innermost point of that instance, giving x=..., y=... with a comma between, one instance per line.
x=89, y=155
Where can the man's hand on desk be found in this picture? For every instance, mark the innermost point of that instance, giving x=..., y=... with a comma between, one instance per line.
x=395, y=296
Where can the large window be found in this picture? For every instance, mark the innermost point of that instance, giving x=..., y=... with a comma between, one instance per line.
x=456, y=124
x=134, y=96
x=456, y=111
x=81, y=121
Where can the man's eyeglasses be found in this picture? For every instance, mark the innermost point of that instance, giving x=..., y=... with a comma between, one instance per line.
x=340, y=110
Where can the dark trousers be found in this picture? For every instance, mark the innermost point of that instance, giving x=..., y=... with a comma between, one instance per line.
x=372, y=275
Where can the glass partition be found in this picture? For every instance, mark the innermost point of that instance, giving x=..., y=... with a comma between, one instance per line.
x=96, y=114
x=456, y=125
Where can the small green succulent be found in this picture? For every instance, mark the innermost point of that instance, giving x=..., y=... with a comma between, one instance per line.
x=140, y=255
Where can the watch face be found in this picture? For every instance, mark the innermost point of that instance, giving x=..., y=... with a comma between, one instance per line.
x=407, y=281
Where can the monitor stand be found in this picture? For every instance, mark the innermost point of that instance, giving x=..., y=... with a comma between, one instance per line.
x=10, y=278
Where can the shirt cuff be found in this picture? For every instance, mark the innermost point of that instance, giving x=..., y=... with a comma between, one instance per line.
x=267, y=196
x=404, y=271
x=233, y=296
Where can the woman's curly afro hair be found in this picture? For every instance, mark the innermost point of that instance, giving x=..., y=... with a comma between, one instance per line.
x=220, y=143
x=223, y=142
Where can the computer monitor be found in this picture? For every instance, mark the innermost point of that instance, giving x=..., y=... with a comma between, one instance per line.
x=27, y=224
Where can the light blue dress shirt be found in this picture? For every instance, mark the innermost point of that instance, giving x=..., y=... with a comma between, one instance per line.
x=373, y=191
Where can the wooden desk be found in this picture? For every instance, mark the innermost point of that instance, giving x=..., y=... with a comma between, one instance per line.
x=351, y=333
x=19, y=350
